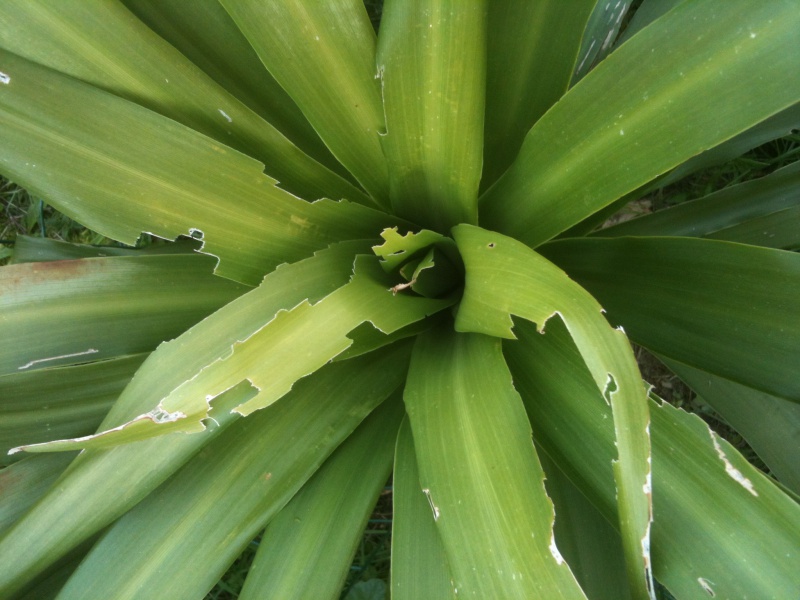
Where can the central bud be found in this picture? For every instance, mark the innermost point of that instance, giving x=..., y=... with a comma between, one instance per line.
x=427, y=263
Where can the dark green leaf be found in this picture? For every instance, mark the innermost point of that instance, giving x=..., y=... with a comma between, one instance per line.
x=728, y=309
x=606, y=136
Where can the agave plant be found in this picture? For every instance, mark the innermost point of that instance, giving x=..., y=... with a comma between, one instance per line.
x=394, y=263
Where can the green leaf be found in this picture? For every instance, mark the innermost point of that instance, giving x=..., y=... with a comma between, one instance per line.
x=776, y=126
x=38, y=249
x=531, y=52
x=419, y=563
x=432, y=66
x=103, y=485
x=480, y=472
x=605, y=137
x=97, y=488
x=725, y=308
x=73, y=311
x=286, y=346
x=214, y=506
x=208, y=37
x=323, y=55
x=647, y=12
x=505, y=277
x=397, y=249
x=24, y=482
x=598, y=38
x=589, y=543
x=773, y=435
x=50, y=404
x=143, y=172
x=733, y=214
x=113, y=50
x=708, y=528
x=307, y=549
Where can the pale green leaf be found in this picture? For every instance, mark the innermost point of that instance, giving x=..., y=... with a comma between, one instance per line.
x=709, y=527
x=214, y=506
x=480, y=472
x=60, y=402
x=286, y=346
x=208, y=37
x=103, y=485
x=323, y=55
x=398, y=249
x=730, y=214
x=74, y=311
x=307, y=549
x=97, y=488
x=140, y=171
x=728, y=309
x=774, y=434
x=432, y=66
x=419, y=563
x=531, y=51
x=102, y=43
x=608, y=135
x=505, y=277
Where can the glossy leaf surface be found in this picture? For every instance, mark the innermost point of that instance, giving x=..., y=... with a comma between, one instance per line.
x=432, y=68
x=323, y=55
x=579, y=159
x=143, y=172
x=480, y=472
x=504, y=278
x=726, y=308
x=419, y=563
x=307, y=548
x=707, y=524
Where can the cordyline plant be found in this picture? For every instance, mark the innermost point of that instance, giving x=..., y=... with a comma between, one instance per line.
x=398, y=266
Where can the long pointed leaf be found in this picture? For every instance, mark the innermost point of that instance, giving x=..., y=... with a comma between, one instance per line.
x=288, y=346
x=73, y=311
x=726, y=214
x=778, y=125
x=102, y=43
x=141, y=171
x=649, y=89
x=479, y=469
x=218, y=502
x=531, y=51
x=709, y=529
x=307, y=549
x=323, y=54
x=432, y=66
x=208, y=37
x=51, y=404
x=589, y=543
x=97, y=488
x=729, y=309
x=774, y=435
x=419, y=563
x=102, y=485
x=24, y=482
x=505, y=277
x=600, y=34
